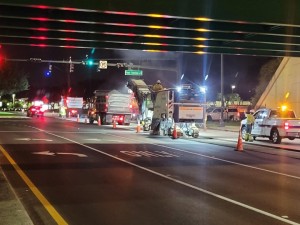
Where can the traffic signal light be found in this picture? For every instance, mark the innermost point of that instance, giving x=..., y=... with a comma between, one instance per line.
x=49, y=71
x=90, y=62
x=71, y=67
x=1, y=61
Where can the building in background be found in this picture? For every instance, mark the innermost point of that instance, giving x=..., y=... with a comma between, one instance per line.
x=283, y=88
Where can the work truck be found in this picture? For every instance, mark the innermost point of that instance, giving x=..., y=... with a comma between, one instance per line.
x=274, y=124
x=110, y=106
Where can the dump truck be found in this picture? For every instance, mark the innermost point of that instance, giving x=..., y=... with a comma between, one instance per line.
x=110, y=106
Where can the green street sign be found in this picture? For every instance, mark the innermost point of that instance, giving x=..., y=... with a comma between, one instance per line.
x=134, y=72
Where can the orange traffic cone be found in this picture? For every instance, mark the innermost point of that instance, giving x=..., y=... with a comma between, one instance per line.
x=174, y=135
x=99, y=121
x=114, y=124
x=138, y=127
x=239, y=146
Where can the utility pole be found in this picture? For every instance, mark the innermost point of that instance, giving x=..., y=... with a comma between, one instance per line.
x=69, y=72
x=222, y=94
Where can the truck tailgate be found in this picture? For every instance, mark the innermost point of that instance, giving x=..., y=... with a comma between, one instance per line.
x=292, y=127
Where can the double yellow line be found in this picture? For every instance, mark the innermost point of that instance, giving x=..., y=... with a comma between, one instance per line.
x=51, y=210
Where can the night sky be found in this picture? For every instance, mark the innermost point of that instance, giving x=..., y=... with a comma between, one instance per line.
x=241, y=71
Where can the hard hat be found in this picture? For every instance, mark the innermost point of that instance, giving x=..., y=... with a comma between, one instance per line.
x=252, y=111
x=158, y=81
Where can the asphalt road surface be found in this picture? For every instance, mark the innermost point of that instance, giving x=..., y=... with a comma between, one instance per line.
x=73, y=173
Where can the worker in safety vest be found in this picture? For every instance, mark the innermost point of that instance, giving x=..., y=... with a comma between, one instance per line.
x=250, y=121
x=157, y=86
x=63, y=112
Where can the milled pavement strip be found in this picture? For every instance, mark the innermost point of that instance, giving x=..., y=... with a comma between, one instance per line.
x=47, y=205
x=273, y=216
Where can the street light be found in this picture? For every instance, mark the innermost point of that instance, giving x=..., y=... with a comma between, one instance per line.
x=203, y=90
x=232, y=87
x=13, y=96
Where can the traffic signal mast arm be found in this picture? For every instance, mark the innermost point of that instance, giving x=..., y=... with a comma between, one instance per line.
x=119, y=65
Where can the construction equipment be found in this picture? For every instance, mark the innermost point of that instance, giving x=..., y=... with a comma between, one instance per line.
x=156, y=108
x=110, y=106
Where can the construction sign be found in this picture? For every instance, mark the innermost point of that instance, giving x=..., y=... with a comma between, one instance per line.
x=191, y=112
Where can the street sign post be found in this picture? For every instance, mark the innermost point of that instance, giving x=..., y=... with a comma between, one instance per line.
x=134, y=72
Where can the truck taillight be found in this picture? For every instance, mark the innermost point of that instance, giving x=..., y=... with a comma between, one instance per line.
x=286, y=125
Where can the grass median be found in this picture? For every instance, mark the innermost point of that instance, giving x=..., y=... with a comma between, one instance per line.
x=5, y=114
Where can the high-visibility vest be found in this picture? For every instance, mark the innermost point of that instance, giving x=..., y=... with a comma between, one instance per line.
x=250, y=118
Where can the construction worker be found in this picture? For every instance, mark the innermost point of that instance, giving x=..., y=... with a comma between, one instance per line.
x=157, y=86
x=250, y=121
x=63, y=112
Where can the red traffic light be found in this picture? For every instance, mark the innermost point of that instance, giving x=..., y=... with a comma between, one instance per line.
x=2, y=59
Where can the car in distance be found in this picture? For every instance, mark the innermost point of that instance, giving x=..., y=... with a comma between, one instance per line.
x=35, y=111
x=214, y=113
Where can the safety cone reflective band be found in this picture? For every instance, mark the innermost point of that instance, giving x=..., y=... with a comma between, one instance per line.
x=114, y=124
x=174, y=135
x=138, y=127
x=99, y=121
x=77, y=118
x=239, y=146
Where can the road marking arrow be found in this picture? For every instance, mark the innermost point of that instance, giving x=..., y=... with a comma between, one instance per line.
x=23, y=139
x=32, y=139
x=59, y=153
x=44, y=153
x=67, y=153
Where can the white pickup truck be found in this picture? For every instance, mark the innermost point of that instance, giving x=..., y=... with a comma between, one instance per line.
x=274, y=124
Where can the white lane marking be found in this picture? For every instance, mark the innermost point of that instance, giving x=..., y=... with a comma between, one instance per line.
x=93, y=139
x=180, y=182
x=59, y=153
x=98, y=139
x=32, y=139
x=148, y=154
x=215, y=158
x=17, y=131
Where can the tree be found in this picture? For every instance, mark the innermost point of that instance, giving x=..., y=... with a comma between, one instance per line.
x=230, y=98
x=233, y=97
x=12, y=80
